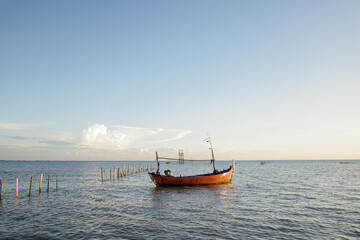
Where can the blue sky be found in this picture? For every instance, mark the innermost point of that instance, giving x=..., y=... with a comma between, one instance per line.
x=118, y=80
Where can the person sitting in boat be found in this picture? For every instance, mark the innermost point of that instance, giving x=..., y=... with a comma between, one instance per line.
x=167, y=172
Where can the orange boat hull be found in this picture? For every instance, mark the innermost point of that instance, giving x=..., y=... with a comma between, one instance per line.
x=207, y=179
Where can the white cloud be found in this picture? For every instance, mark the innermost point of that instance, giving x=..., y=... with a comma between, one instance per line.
x=99, y=136
x=12, y=126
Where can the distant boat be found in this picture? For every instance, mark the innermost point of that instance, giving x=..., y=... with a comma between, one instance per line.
x=352, y=162
x=216, y=177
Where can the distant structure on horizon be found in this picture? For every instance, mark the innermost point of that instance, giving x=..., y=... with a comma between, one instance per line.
x=181, y=156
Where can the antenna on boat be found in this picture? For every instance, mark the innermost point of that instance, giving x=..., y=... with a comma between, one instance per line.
x=212, y=151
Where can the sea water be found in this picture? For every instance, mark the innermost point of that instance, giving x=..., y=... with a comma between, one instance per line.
x=276, y=200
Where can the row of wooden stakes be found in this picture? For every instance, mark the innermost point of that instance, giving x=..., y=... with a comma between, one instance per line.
x=31, y=181
x=122, y=172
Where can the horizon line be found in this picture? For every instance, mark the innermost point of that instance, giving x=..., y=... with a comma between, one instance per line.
x=330, y=159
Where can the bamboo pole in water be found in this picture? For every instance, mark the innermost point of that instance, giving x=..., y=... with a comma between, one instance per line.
x=114, y=173
x=102, y=179
x=118, y=176
x=40, y=183
x=1, y=183
x=48, y=186
x=17, y=187
x=31, y=180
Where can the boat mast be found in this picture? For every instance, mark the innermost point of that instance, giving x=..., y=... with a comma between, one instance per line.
x=158, y=164
x=212, y=151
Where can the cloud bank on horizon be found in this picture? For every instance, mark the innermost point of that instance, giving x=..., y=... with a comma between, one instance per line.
x=101, y=137
x=95, y=142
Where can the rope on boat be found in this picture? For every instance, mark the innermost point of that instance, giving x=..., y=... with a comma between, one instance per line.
x=177, y=159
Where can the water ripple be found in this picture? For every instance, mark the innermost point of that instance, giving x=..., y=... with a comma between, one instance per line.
x=279, y=200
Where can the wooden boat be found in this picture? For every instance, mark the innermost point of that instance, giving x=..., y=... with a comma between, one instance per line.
x=216, y=177
x=221, y=177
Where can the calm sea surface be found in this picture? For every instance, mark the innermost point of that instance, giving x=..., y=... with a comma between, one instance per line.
x=277, y=200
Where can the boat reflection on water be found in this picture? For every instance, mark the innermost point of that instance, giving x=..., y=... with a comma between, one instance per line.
x=186, y=199
x=213, y=188
x=223, y=190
